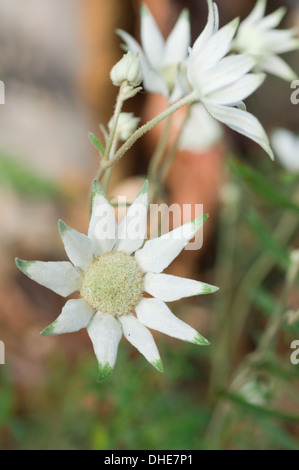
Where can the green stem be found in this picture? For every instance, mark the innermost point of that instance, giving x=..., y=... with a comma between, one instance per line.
x=160, y=149
x=173, y=151
x=192, y=97
x=222, y=328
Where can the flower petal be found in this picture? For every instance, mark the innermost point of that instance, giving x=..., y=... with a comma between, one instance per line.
x=176, y=46
x=158, y=253
x=103, y=226
x=215, y=49
x=256, y=14
x=59, y=276
x=78, y=246
x=242, y=122
x=105, y=333
x=138, y=335
x=76, y=314
x=155, y=314
x=153, y=80
x=239, y=90
x=169, y=288
x=226, y=71
x=210, y=28
x=132, y=229
x=151, y=38
x=278, y=67
x=273, y=20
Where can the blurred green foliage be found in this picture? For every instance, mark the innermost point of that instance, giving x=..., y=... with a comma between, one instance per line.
x=25, y=180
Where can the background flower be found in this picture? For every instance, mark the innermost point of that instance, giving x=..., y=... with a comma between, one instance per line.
x=257, y=36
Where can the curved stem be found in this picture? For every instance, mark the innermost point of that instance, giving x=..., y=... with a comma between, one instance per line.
x=173, y=151
x=143, y=129
x=158, y=154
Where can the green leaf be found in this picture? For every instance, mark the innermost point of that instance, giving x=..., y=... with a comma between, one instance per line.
x=96, y=143
x=279, y=435
x=264, y=300
x=25, y=180
x=267, y=240
x=263, y=187
x=260, y=410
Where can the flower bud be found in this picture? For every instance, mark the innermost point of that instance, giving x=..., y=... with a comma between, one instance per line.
x=127, y=69
x=127, y=124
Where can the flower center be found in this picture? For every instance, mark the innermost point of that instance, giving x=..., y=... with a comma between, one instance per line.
x=113, y=284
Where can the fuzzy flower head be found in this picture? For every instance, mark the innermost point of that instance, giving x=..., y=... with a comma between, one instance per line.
x=161, y=60
x=257, y=36
x=221, y=82
x=112, y=269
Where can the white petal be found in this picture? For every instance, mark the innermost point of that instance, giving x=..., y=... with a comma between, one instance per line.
x=105, y=333
x=215, y=49
x=256, y=14
x=242, y=122
x=239, y=90
x=208, y=30
x=277, y=66
x=158, y=253
x=76, y=314
x=153, y=79
x=156, y=315
x=103, y=226
x=273, y=20
x=151, y=38
x=169, y=288
x=176, y=46
x=138, y=335
x=132, y=229
x=226, y=71
x=59, y=276
x=181, y=85
x=78, y=246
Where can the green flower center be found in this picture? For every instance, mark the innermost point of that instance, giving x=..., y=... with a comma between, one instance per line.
x=113, y=284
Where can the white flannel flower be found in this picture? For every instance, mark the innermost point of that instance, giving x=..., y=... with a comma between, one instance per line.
x=257, y=36
x=286, y=147
x=161, y=61
x=222, y=83
x=111, y=270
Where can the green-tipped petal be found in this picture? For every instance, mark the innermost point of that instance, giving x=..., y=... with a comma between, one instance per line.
x=158, y=253
x=102, y=227
x=59, y=276
x=158, y=365
x=104, y=371
x=199, y=339
x=132, y=229
x=170, y=288
x=156, y=315
x=78, y=246
x=140, y=337
x=24, y=266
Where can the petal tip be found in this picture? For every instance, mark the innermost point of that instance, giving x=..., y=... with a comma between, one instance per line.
x=199, y=339
x=158, y=365
x=23, y=265
x=208, y=289
x=62, y=227
x=48, y=331
x=104, y=371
